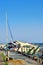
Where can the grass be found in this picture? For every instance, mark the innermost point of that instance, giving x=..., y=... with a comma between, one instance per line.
x=4, y=58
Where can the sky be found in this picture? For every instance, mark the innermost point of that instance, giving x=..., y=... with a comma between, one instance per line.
x=25, y=18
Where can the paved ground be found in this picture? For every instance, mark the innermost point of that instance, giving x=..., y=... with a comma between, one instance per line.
x=18, y=59
x=27, y=61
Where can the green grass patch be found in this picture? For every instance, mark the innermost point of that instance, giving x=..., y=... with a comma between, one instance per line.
x=4, y=58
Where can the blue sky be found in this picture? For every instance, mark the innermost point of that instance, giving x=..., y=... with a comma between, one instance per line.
x=25, y=18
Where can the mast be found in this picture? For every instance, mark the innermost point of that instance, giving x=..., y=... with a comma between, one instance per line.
x=10, y=32
x=6, y=29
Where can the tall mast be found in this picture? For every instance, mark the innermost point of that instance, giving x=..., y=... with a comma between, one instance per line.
x=10, y=32
x=6, y=29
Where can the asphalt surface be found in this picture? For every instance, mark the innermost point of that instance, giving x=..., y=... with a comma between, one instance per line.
x=17, y=56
